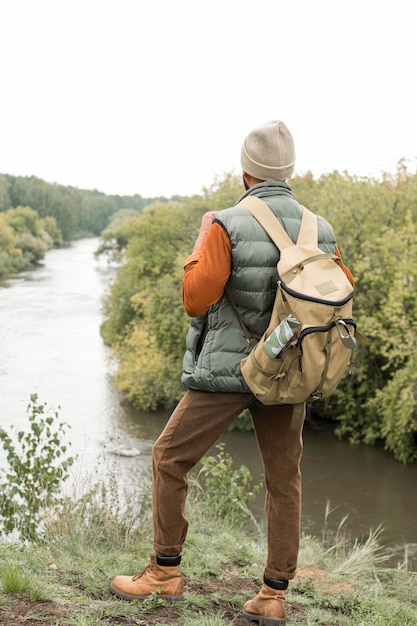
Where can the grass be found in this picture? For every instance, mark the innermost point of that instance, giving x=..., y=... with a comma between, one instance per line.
x=63, y=579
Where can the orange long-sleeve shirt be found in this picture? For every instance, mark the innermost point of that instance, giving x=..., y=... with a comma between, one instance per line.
x=207, y=271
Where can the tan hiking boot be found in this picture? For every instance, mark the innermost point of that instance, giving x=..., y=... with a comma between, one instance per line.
x=154, y=578
x=267, y=607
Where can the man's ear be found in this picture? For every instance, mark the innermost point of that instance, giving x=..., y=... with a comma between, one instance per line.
x=246, y=182
x=249, y=181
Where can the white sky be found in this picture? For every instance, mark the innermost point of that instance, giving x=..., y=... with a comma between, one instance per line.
x=156, y=97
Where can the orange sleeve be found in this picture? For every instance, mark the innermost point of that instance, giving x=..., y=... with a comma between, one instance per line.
x=206, y=272
x=345, y=268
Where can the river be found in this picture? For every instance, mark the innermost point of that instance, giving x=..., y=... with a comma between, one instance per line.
x=50, y=344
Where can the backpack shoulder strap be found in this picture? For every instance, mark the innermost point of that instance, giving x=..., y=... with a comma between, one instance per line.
x=309, y=229
x=262, y=213
x=266, y=218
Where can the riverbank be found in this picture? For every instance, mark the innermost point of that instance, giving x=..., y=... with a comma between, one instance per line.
x=63, y=580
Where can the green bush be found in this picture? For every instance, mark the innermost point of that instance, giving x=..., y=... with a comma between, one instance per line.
x=37, y=467
x=226, y=490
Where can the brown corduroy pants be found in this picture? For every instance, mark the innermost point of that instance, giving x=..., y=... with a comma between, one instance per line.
x=194, y=426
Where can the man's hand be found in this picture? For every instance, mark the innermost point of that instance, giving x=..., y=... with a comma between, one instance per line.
x=204, y=228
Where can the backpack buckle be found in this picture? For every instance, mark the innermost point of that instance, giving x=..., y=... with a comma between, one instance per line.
x=345, y=335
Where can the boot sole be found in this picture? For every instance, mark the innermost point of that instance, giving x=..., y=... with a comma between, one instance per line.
x=130, y=596
x=264, y=621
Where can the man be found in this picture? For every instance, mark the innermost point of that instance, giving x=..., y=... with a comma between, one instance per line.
x=232, y=249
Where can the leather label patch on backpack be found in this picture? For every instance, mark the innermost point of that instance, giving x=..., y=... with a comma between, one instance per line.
x=325, y=288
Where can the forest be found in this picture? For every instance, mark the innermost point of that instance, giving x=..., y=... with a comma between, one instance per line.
x=36, y=216
x=145, y=325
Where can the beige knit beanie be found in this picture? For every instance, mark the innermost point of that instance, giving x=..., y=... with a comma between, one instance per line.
x=268, y=152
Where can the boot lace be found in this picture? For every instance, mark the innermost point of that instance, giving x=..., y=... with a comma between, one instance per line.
x=143, y=572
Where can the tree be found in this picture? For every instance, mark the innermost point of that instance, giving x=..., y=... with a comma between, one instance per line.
x=23, y=219
x=8, y=252
x=25, y=240
x=145, y=321
x=6, y=236
x=50, y=227
x=5, y=202
x=115, y=237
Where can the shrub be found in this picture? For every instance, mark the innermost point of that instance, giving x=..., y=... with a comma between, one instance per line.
x=36, y=471
x=227, y=490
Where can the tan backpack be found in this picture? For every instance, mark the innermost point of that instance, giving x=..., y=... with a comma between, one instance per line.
x=311, y=335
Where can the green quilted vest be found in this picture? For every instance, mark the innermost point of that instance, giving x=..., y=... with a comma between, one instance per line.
x=215, y=343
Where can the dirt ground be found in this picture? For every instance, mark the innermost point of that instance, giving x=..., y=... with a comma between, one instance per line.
x=21, y=611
